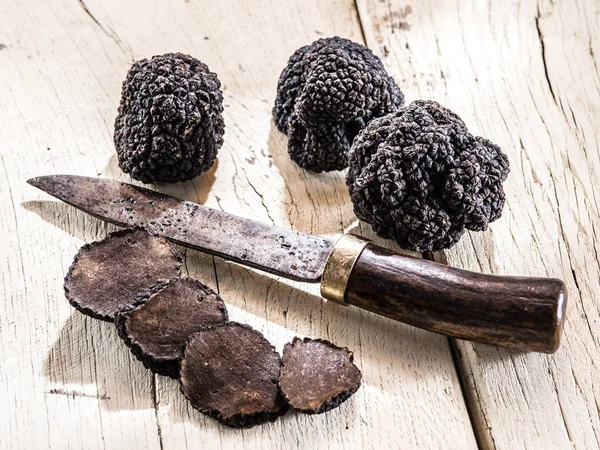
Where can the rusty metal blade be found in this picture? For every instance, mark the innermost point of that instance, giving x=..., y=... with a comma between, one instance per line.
x=280, y=251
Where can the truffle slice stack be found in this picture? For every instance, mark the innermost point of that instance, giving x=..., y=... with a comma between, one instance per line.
x=178, y=327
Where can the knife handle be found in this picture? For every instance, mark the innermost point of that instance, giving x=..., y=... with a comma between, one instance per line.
x=518, y=312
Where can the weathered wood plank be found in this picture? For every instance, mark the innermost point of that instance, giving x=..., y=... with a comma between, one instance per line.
x=68, y=380
x=65, y=382
x=526, y=76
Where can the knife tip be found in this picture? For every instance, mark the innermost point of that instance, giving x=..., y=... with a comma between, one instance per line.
x=43, y=182
x=35, y=181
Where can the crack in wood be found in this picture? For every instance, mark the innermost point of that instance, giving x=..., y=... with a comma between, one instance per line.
x=75, y=394
x=470, y=392
x=125, y=48
x=262, y=199
x=360, y=22
x=156, y=403
x=544, y=62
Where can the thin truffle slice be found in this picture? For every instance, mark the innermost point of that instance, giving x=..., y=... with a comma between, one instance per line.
x=317, y=376
x=107, y=275
x=156, y=328
x=230, y=373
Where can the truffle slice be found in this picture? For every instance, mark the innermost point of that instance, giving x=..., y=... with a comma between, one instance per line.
x=230, y=373
x=170, y=122
x=107, y=275
x=316, y=376
x=157, y=327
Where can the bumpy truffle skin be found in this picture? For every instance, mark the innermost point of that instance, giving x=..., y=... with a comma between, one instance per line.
x=326, y=94
x=170, y=124
x=419, y=177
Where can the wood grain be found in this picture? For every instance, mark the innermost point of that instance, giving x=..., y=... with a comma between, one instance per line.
x=526, y=313
x=525, y=75
x=522, y=73
x=67, y=380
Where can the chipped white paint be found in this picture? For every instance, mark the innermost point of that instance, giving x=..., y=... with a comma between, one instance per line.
x=66, y=381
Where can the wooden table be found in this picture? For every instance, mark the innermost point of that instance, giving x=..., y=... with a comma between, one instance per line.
x=523, y=73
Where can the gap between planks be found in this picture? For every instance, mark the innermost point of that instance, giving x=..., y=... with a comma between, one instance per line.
x=473, y=411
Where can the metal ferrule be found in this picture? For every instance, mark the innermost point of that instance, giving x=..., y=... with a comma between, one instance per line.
x=339, y=265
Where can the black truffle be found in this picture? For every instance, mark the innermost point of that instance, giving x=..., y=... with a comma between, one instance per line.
x=326, y=94
x=170, y=124
x=419, y=177
x=230, y=373
x=109, y=274
x=317, y=376
x=156, y=327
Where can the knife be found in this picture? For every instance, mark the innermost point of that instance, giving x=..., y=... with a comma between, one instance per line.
x=518, y=312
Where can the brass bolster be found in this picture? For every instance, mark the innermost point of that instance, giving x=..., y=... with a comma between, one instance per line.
x=339, y=265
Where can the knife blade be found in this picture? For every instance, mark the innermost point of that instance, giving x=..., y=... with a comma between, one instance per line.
x=280, y=251
x=520, y=312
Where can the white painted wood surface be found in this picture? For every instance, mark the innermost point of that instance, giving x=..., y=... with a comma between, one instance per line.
x=523, y=74
x=68, y=379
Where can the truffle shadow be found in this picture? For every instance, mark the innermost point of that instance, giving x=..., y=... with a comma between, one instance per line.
x=89, y=352
x=180, y=411
x=69, y=219
x=314, y=202
x=196, y=190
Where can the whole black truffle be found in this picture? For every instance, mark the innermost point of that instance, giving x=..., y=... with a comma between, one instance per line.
x=419, y=177
x=326, y=94
x=170, y=124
